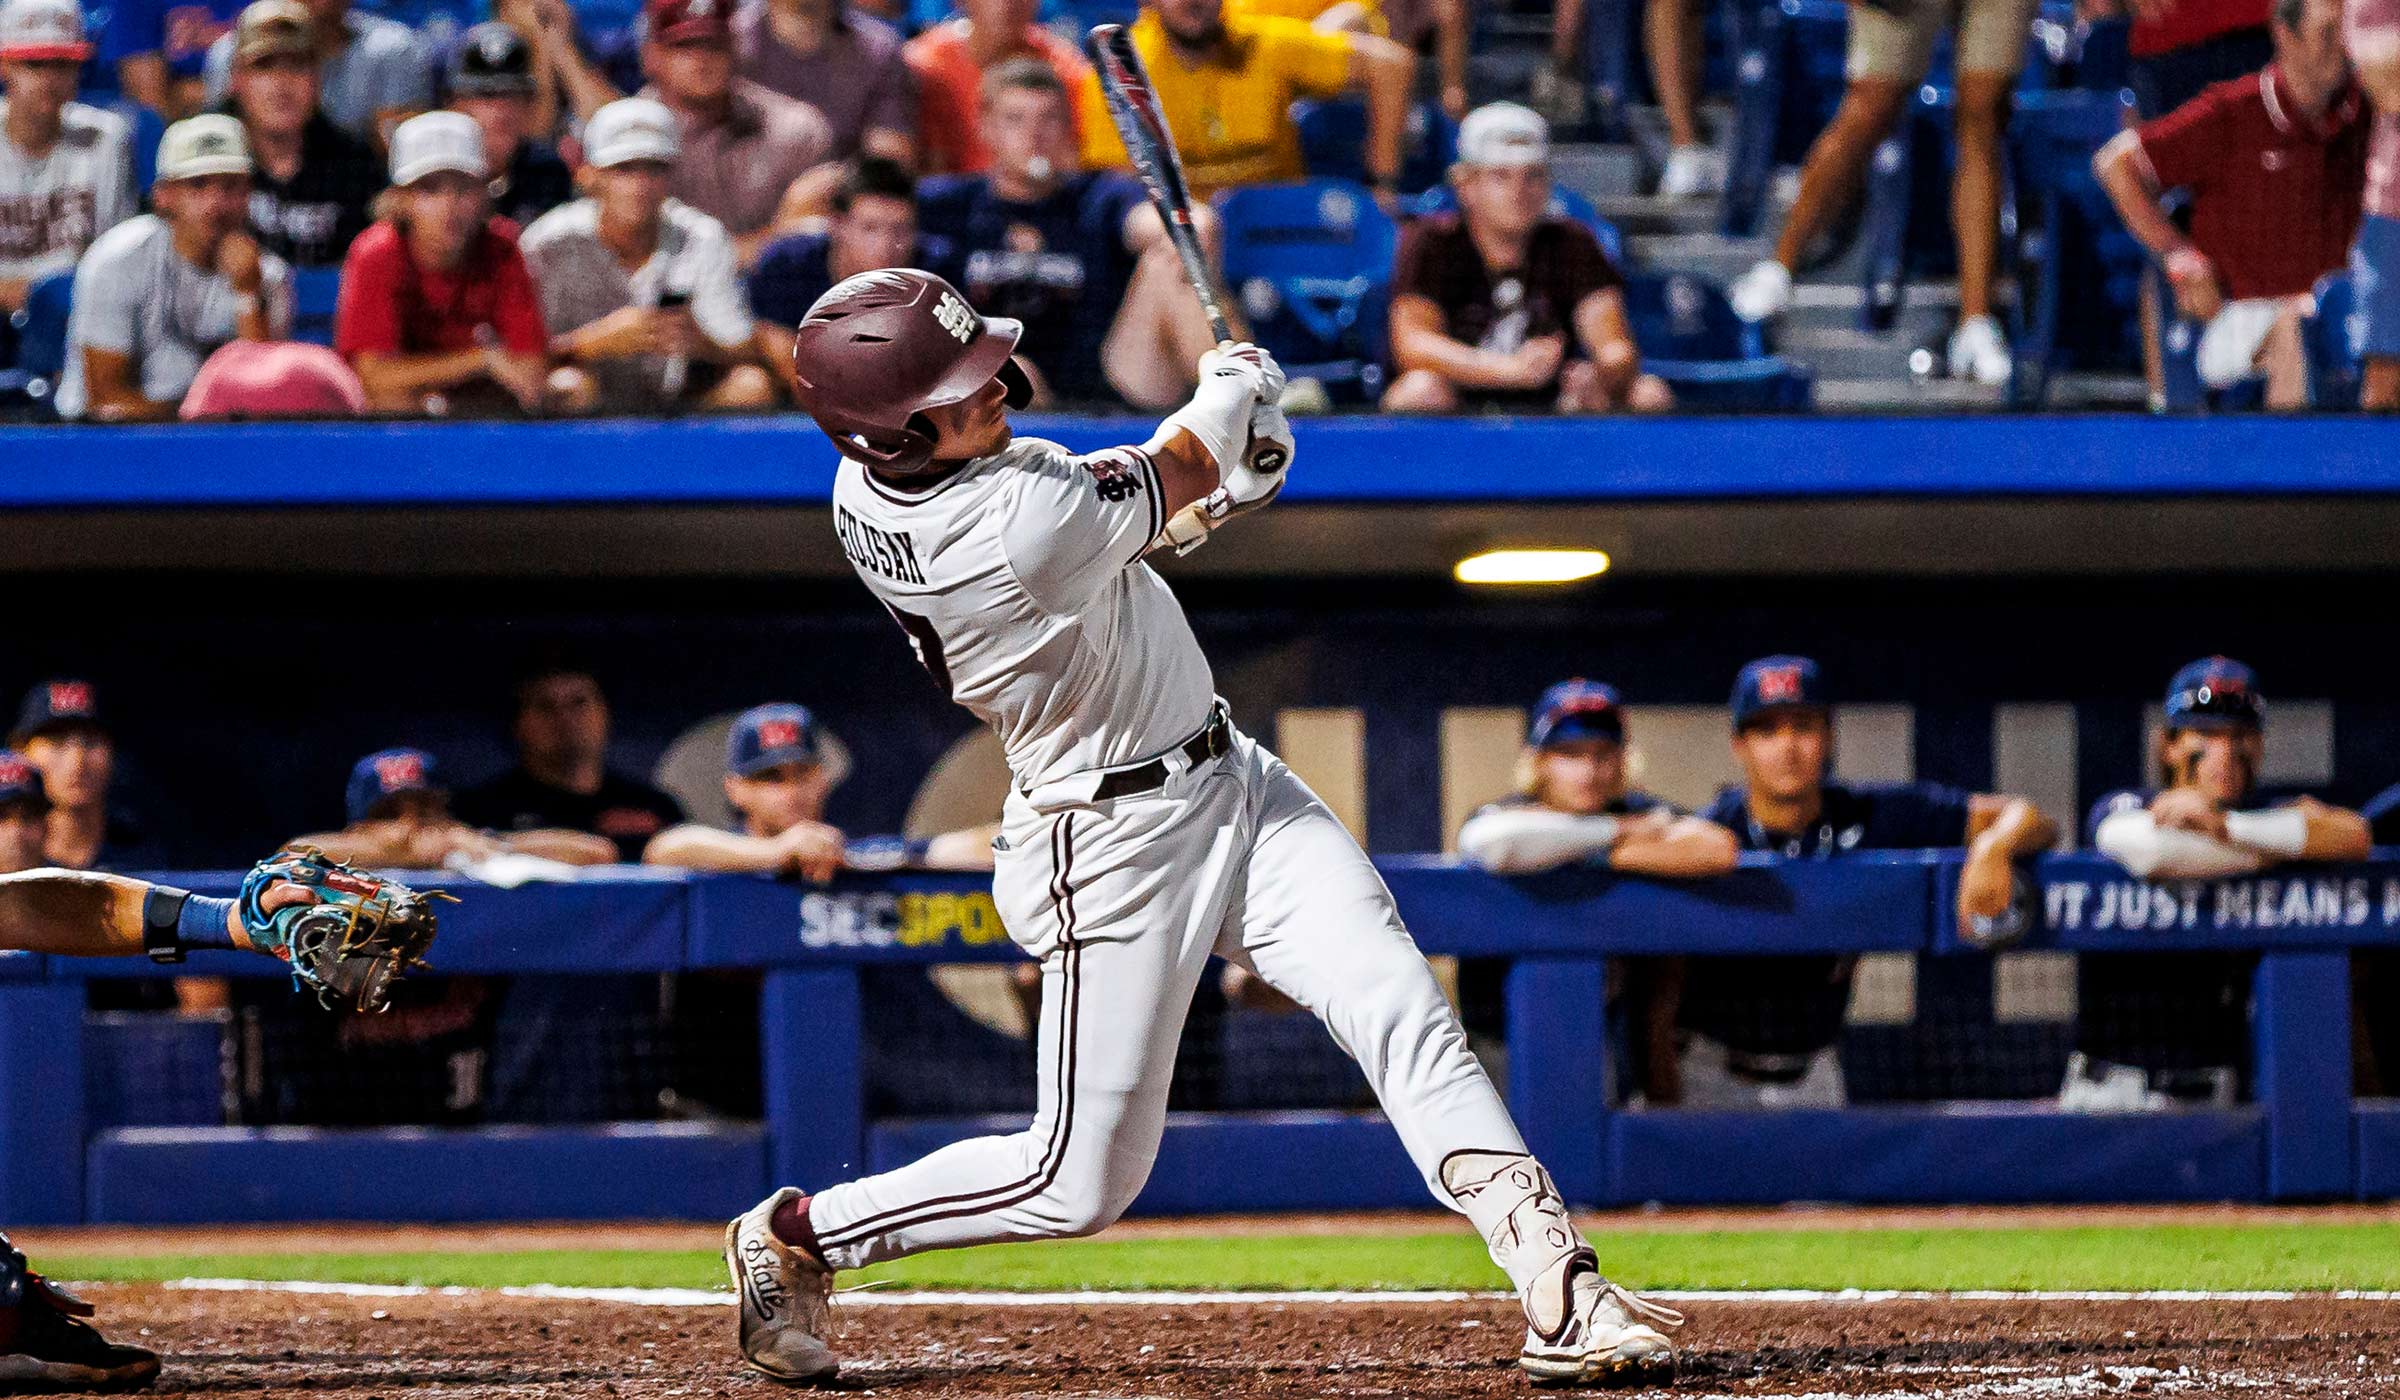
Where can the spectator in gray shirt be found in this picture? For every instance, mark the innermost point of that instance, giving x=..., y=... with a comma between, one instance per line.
x=66, y=174
x=157, y=294
x=746, y=148
x=376, y=71
x=644, y=309
x=847, y=65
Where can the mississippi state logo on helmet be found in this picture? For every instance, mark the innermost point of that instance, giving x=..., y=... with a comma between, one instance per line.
x=882, y=347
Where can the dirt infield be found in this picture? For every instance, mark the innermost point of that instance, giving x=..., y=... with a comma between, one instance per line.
x=467, y=1347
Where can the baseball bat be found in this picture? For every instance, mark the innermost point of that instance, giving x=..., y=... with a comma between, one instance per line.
x=1150, y=143
x=1133, y=107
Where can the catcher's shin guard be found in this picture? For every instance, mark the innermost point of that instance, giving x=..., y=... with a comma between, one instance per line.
x=786, y=1298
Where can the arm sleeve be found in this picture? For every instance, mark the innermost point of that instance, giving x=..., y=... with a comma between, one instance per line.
x=2182, y=147
x=1074, y=523
x=366, y=316
x=275, y=295
x=2135, y=840
x=1315, y=63
x=216, y=71
x=1524, y=840
x=718, y=306
x=112, y=177
x=519, y=312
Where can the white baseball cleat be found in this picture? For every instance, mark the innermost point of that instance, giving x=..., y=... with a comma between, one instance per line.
x=1602, y=1334
x=786, y=1298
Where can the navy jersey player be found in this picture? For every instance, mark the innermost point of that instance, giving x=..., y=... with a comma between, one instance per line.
x=2155, y=1027
x=1762, y=1031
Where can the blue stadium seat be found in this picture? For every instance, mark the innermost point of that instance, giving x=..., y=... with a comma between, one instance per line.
x=315, y=293
x=1333, y=142
x=1788, y=83
x=2078, y=272
x=1905, y=228
x=41, y=346
x=1712, y=359
x=2334, y=365
x=1311, y=264
x=1564, y=204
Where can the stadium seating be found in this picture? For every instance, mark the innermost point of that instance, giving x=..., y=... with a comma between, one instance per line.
x=1789, y=82
x=1713, y=359
x=1564, y=204
x=316, y=292
x=1311, y=263
x=1333, y=140
x=2078, y=272
x=41, y=347
x=2333, y=360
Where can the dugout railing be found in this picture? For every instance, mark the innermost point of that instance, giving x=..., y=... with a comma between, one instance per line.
x=2301, y=1135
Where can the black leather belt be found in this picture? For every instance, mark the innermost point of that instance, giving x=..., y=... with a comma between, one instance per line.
x=1214, y=738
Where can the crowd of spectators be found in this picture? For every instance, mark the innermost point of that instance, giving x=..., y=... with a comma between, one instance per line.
x=812, y=140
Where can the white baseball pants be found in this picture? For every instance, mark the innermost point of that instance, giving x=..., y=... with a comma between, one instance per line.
x=1123, y=902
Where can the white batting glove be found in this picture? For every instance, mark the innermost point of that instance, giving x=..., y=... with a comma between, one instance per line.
x=1267, y=376
x=1258, y=475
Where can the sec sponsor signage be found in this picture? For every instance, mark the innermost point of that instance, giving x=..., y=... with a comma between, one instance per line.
x=2302, y=903
x=884, y=919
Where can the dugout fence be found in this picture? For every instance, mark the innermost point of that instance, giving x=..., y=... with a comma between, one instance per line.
x=818, y=966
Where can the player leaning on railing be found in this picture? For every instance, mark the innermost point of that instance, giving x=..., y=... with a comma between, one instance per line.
x=347, y=936
x=1144, y=833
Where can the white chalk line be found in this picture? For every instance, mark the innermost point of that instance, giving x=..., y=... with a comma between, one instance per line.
x=883, y=1298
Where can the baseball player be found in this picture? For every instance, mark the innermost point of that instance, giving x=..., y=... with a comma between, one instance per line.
x=2153, y=1028
x=1762, y=1032
x=399, y=812
x=45, y=1344
x=1144, y=832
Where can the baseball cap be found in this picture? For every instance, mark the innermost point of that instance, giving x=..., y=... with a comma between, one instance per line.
x=492, y=60
x=57, y=704
x=768, y=736
x=1504, y=134
x=434, y=142
x=631, y=129
x=33, y=30
x=387, y=773
x=2215, y=692
x=274, y=29
x=20, y=781
x=686, y=21
x=1576, y=709
x=1773, y=683
x=205, y=145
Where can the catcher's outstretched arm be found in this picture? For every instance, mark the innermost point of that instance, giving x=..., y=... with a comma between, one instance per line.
x=83, y=914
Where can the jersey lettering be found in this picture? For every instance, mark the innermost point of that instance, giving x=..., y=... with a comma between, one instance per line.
x=885, y=552
x=1114, y=478
x=927, y=643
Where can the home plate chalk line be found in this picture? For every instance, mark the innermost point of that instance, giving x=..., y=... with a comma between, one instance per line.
x=897, y=1298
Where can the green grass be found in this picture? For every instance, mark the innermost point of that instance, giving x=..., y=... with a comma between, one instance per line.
x=2093, y=1257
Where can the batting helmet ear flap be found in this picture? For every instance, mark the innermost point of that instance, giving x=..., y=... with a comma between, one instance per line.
x=1018, y=384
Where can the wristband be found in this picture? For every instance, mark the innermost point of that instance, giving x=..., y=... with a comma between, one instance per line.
x=2282, y=831
x=174, y=920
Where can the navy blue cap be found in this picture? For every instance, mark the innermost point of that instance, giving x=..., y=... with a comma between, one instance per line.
x=52, y=705
x=387, y=773
x=1576, y=709
x=1774, y=682
x=2215, y=692
x=768, y=736
x=20, y=781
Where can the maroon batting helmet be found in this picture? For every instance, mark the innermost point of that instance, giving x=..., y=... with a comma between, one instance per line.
x=882, y=347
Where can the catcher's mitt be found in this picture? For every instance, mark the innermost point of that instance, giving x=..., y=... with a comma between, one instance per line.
x=363, y=933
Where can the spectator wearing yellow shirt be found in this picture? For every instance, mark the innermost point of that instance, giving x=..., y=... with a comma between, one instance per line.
x=1409, y=23
x=1226, y=80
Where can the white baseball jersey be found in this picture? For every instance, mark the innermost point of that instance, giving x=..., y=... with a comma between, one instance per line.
x=51, y=209
x=1019, y=580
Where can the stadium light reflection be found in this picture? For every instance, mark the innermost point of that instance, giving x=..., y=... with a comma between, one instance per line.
x=1531, y=566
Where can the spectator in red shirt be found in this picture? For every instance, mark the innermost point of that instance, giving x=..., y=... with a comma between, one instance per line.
x=2275, y=164
x=950, y=60
x=437, y=311
x=1503, y=305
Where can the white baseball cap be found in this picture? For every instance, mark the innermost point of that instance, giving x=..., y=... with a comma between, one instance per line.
x=32, y=30
x=205, y=145
x=435, y=142
x=1503, y=134
x=631, y=129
